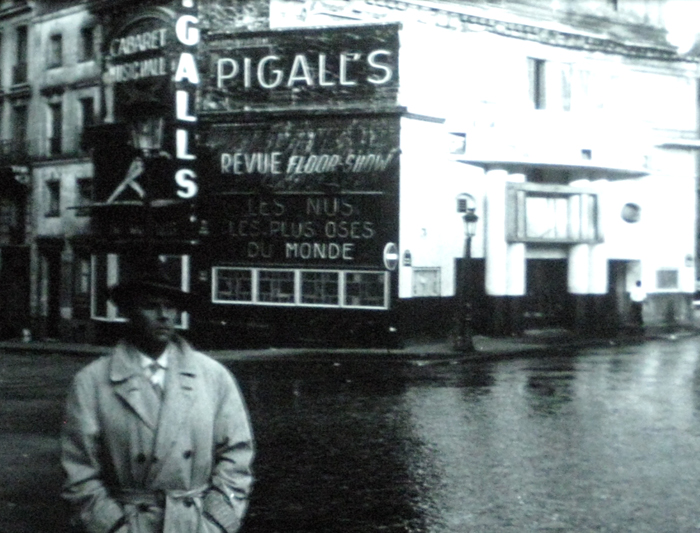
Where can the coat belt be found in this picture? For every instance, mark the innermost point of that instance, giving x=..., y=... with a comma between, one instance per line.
x=157, y=498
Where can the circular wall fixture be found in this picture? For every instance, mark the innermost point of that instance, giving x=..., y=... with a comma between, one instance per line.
x=631, y=213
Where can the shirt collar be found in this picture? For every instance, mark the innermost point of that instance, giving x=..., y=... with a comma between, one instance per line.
x=162, y=359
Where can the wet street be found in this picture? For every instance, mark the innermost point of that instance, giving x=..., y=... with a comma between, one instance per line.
x=604, y=440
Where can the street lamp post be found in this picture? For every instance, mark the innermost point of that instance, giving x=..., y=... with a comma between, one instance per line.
x=465, y=342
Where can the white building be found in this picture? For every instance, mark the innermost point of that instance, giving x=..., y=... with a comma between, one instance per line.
x=572, y=126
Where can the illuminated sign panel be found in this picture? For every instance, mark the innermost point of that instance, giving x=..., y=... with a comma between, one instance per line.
x=138, y=60
x=152, y=68
x=307, y=192
x=292, y=68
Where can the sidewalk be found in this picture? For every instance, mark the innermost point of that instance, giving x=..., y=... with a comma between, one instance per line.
x=484, y=348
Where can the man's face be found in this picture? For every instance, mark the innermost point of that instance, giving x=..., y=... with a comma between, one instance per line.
x=153, y=319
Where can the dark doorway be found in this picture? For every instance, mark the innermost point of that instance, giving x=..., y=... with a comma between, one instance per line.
x=14, y=287
x=617, y=303
x=51, y=290
x=547, y=302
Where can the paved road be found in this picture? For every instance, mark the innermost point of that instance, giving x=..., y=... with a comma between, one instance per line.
x=604, y=440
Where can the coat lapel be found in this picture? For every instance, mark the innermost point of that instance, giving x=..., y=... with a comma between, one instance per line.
x=125, y=375
x=180, y=385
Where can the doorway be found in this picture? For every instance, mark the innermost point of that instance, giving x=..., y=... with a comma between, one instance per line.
x=547, y=303
x=50, y=290
x=14, y=287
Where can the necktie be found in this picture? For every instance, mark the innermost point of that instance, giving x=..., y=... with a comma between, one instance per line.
x=152, y=372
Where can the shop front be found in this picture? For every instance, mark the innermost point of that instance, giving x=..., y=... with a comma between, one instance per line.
x=144, y=158
x=299, y=132
x=262, y=170
x=301, y=222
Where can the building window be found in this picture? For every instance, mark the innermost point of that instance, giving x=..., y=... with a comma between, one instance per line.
x=87, y=44
x=82, y=276
x=56, y=128
x=667, y=278
x=426, y=281
x=8, y=221
x=567, y=74
x=19, y=127
x=53, y=198
x=55, y=51
x=87, y=112
x=552, y=213
x=83, y=190
x=536, y=81
x=109, y=269
x=320, y=288
x=19, y=74
x=631, y=213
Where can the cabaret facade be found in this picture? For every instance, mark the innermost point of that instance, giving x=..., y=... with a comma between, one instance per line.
x=311, y=182
x=263, y=169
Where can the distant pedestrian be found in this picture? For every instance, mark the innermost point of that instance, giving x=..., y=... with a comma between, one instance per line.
x=157, y=436
x=637, y=296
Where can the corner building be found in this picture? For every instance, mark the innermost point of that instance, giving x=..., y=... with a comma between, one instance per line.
x=582, y=175
x=306, y=167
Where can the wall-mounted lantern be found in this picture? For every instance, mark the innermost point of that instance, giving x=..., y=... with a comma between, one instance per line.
x=147, y=134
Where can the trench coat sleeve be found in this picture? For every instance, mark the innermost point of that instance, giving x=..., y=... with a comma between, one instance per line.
x=232, y=476
x=84, y=488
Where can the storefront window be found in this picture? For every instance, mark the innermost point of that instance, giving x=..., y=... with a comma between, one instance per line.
x=81, y=285
x=109, y=269
x=100, y=305
x=324, y=288
x=231, y=284
x=319, y=288
x=276, y=286
x=365, y=289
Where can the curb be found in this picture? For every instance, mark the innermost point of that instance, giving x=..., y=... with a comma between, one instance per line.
x=420, y=355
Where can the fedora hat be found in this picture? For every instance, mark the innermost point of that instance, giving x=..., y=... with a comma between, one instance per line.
x=149, y=279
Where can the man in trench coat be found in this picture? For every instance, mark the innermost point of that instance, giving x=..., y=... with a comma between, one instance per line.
x=156, y=448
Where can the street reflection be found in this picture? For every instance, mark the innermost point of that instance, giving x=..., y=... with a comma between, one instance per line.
x=604, y=440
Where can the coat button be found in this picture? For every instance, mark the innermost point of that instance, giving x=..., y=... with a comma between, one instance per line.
x=154, y=459
x=189, y=502
x=141, y=458
x=187, y=454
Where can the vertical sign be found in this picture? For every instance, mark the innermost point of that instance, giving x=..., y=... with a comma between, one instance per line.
x=186, y=80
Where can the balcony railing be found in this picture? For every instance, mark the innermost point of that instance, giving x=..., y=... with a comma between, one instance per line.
x=14, y=152
x=19, y=73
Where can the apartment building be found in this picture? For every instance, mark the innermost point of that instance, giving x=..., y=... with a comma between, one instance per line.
x=66, y=99
x=15, y=193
